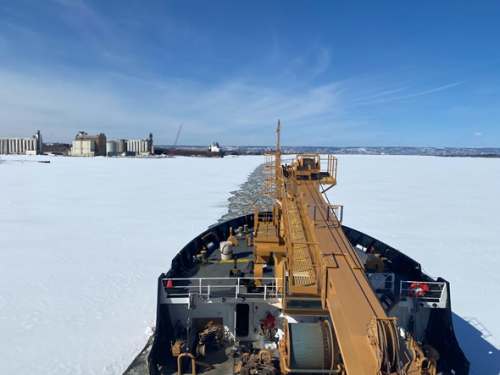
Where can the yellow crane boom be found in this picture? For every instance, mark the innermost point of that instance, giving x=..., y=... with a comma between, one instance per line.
x=322, y=274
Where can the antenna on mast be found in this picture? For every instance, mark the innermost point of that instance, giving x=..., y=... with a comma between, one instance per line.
x=278, y=130
x=273, y=173
x=278, y=173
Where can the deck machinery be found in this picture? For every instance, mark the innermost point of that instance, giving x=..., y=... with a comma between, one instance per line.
x=347, y=303
x=323, y=275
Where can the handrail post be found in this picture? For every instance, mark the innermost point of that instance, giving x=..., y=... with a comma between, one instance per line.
x=237, y=288
x=200, y=285
x=208, y=291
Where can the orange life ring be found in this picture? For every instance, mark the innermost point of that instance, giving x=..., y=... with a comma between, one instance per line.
x=418, y=289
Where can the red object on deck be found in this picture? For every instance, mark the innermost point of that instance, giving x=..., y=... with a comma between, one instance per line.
x=170, y=284
x=269, y=322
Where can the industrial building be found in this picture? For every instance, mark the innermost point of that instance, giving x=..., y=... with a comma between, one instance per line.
x=116, y=147
x=121, y=146
x=22, y=146
x=141, y=147
x=111, y=148
x=89, y=145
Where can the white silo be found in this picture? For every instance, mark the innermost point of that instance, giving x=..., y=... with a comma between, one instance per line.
x=110, y=147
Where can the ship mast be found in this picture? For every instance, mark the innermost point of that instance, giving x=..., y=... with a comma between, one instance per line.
x=273, y=174
x=278, y=129
x=278, y=172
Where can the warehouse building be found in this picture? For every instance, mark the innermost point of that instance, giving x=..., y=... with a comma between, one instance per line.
x=141, y=147
x=89, y=145
x=22, y=146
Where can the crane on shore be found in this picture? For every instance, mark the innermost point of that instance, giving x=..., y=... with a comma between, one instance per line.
x=176, y=139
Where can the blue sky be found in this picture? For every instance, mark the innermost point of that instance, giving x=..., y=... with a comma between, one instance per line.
x=337, y=73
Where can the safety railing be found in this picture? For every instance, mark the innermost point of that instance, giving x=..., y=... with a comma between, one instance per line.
x=264, y=213
x=270, y=175
x=427, y=294
x=321, y=162
x=331, y=165
x=382, y=282
x=265, y=223
x=337, y=210
x=211, y=287
x=328, y=212
x=302, y=269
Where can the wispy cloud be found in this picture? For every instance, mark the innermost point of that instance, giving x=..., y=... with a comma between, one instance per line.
x=431, y=90
x=408, y=96
x=316, y=56
x=228, y=111
x=322, y=61
x=478, y=134
x=83, y=14
x=385, y=93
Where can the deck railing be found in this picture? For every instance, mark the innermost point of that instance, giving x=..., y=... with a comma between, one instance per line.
x=332, y=214
x=383, y=282
x=230, y=286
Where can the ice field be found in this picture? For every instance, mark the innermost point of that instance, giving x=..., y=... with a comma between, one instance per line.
x=82, y=243
x=83, y=240
x=445, y=214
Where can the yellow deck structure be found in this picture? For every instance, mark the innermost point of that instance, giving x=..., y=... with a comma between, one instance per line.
x=303, y=272
x=303, y=232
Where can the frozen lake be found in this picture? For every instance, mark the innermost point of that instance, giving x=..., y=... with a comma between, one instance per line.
x=83, y=241
x=444, y=213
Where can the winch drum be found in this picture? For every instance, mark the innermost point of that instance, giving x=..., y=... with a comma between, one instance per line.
x=310, y=346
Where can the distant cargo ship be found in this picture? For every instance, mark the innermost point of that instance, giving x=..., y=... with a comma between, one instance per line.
x=214, y=150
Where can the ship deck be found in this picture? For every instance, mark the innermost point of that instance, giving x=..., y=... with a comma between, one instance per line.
x=215, y=283
x=217, y=276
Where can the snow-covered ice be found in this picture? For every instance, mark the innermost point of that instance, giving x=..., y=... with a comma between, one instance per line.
x=82, y=243
x=445, y=214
